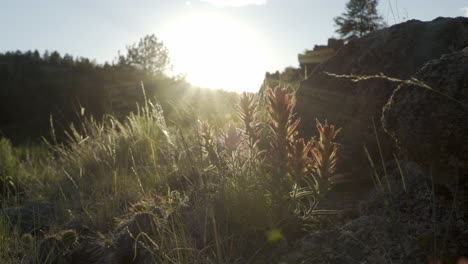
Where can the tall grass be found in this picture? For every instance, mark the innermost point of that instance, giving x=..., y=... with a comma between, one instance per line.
x=198, y=193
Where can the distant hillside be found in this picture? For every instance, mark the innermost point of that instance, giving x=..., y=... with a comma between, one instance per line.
x=33, y=88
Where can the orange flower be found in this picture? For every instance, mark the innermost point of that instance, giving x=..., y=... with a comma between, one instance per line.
x=287, y=155
x=324, y=153
x=299, y=160
x=327, y=133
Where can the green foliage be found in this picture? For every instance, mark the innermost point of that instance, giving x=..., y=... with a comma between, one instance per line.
x=8, y=169
x=34, y=88
x=274, y=235
x=198, y=179
x=360, y=18
x=8, y=162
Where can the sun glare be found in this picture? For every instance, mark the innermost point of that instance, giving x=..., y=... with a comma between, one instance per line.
x=216, y=52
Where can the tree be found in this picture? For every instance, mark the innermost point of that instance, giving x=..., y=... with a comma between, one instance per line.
x=36, y=55
x=149, y=55
x=68, y=60
x=46, y=56
x=361, y=17
x=55, y=58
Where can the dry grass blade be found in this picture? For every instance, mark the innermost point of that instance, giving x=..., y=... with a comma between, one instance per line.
x=413, y=81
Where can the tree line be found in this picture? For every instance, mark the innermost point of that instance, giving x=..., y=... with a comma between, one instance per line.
x=37, y=88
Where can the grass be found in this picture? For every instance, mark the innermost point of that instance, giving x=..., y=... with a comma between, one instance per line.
x=435, y=241
x=158, y=188
x=192, y=193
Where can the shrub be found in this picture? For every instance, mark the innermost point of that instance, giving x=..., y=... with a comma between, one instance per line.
x=8, y=170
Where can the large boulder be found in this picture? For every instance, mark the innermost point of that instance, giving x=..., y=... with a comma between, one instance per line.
x=431, y=126
x=398, y=51
x=399, y=227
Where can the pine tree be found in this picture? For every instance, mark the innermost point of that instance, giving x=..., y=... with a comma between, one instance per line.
x=361, y=17
x=149, y=55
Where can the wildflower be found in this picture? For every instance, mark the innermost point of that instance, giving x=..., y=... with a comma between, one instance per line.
x=232, y=139
x=299, y=159
x=209, y=144
x=283, y=126
x=327, y=133
x=324, y=153
x=247, y=113
x=280, y=105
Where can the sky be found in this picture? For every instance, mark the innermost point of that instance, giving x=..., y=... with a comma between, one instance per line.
x=225, y=44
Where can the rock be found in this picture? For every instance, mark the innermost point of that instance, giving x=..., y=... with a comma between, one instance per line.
x=398, y=51
x=432, y=126
x=399, y=227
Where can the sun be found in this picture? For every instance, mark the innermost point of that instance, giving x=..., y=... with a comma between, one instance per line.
x=217, y=52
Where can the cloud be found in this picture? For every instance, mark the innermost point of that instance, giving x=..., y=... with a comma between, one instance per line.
x=235, y=3
x=465, y=10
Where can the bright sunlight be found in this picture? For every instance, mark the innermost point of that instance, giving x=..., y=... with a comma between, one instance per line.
x=217, y=52
x=233, y=131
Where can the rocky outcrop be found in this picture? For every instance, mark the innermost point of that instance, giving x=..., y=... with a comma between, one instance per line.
x=398, y=227
x=432, y=125
x=311, y=58
x=398, y=51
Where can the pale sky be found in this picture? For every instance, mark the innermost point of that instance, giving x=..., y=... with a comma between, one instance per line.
x=226, y=44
